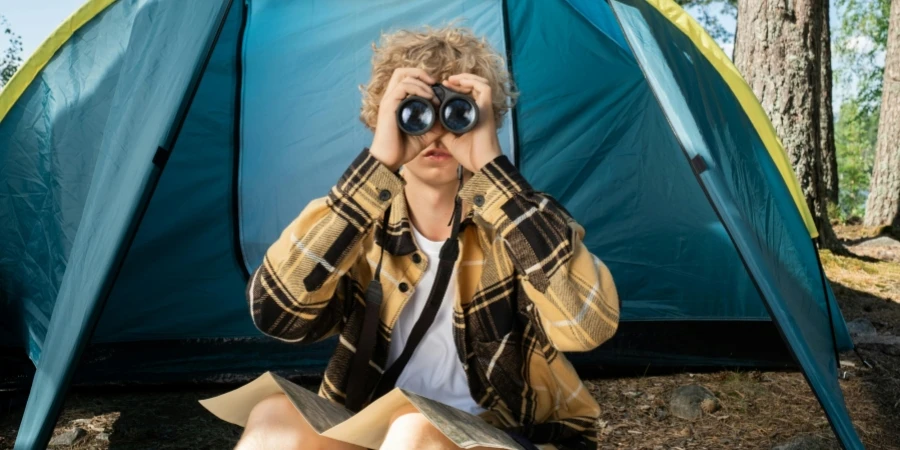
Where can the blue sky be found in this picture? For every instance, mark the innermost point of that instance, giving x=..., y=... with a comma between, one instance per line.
x=34, y=20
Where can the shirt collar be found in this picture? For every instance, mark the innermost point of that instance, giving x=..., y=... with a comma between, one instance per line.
x=400, y=240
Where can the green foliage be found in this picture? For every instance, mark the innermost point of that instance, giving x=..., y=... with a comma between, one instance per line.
x=859, y=46
x=860, y=40
x=706, y=11
x=11, y=58
x=855, y=134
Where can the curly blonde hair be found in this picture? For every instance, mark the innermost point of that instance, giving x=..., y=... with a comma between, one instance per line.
x=441, y=52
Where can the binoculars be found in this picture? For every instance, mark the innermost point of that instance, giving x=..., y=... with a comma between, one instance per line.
x=457, y=112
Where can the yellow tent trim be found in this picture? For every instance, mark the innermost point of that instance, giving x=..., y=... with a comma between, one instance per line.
x=32, y=67
x=708, y=47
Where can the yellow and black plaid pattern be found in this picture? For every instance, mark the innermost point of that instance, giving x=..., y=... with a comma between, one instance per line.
x=528, y=289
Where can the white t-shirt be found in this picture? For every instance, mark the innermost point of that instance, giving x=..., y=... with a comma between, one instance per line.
x=434, y=370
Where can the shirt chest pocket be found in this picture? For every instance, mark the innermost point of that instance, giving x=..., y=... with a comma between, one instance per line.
x=492, y=314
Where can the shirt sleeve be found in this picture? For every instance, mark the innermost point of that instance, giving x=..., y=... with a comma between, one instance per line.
x=571, y=289
x=296, y=294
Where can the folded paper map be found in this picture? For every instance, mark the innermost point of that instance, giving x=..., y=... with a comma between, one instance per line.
x=366, y=428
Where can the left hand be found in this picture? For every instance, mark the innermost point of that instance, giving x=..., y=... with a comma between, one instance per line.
x=480, y=145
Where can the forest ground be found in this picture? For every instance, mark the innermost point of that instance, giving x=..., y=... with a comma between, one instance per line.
x=758, y=409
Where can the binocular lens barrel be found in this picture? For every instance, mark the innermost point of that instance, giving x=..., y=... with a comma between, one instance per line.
x=457, y=112
x=416, y=117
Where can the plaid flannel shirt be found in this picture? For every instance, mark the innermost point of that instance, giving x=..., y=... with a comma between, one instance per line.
x=528, y=289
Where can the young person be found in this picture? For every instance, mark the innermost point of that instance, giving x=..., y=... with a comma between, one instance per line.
x=523, y=289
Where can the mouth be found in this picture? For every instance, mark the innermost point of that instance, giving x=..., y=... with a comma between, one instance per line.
x=437, y=154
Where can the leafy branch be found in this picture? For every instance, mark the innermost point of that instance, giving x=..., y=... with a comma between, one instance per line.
x=11, y=58
x=706, y=12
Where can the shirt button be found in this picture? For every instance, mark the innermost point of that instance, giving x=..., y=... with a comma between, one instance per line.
x=478, y=200
x=403, y=287
x=416, y=258
x=384, y=195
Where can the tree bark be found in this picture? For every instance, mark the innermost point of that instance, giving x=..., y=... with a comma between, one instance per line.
x=778, y=49
x=883, y=203
x=826, y=115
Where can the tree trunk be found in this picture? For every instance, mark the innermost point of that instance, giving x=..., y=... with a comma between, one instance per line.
x=778, y=49
x=826, y=115
x=883, y=204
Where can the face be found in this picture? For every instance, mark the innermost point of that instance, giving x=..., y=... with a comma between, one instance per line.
x=435, y=166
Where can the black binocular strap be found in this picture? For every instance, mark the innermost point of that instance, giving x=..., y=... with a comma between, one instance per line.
x=447, y=258
x=356, y=394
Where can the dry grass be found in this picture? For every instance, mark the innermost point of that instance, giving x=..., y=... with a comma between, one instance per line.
x=758, y=409
x=874, y=277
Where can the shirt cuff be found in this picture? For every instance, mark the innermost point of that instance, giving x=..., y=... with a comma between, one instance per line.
x=492, y=186
x=365, y=191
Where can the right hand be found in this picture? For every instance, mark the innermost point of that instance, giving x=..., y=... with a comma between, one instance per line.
x=391, y=146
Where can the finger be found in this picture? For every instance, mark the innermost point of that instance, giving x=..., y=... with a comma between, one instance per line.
x=455, y=86
x=423, y=85
x=481, y=90
x=411, y=86
x=404, y=72
x=469, y=76
x=408, y=87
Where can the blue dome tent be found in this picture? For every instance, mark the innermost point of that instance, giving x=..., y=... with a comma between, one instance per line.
x=151, y=150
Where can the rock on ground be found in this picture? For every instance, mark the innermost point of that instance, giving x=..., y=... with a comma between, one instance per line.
x=691, y=401
x=68, y=437
x=806, y=443
x=882, y=241
x=861, y=327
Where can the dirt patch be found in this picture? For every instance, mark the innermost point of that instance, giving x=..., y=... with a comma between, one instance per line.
x=758, y=409
x=138, y=420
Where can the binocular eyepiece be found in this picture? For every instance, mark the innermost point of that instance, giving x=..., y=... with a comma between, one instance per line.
x=457, y=112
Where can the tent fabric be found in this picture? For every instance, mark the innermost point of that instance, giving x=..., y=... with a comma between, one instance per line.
x=699, y=125
x=618, y=170
x=287, y=145
x=736, y=159
x=165, y=47
x=49, y=144
x=707, y=46
x=192, y=209
x=88, y=221
x=26, y=74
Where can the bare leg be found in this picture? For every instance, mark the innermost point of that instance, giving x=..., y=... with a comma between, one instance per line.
x=411, y=430
x=274, y=423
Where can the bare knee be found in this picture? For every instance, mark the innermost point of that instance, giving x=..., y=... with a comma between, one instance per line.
x=410, y=429
x=274, y=423
x=273, y=407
